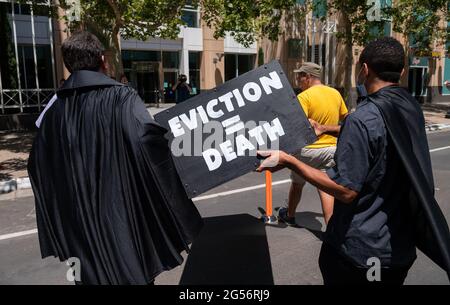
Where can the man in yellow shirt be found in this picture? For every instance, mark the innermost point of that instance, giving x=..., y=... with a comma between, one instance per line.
x=326, y=106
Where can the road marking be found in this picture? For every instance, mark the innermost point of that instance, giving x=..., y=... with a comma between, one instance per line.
x=244, y=189
x=236, y=191
x=17, y=234
x=438, y=149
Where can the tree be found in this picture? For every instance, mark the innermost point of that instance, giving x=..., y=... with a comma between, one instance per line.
x=421, y=24
x=8, y=65
x=361, y=21
x=248, y=20
x=140, y=19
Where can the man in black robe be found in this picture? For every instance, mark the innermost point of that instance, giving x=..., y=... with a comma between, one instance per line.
x=105, y=186
x=382, y=181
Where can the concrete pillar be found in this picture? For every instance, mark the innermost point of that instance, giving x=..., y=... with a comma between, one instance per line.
x=212, y=71
x=184, y=63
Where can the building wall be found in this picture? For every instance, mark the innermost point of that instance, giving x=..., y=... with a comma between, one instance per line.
x=212, y=71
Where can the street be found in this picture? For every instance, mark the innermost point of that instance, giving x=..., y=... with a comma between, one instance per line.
x=235, y=247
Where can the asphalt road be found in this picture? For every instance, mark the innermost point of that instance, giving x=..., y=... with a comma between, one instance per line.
x=235, y=247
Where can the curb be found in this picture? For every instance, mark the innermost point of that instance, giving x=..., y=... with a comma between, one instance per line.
x=14, y=184
x=434, y=127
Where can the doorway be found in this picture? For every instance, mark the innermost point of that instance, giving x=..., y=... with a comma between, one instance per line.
x=144, y=78
x=417, y=81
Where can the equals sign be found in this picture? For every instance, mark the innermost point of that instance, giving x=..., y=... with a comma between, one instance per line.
x=233, y=124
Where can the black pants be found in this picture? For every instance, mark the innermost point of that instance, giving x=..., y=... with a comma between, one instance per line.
x=336, y=270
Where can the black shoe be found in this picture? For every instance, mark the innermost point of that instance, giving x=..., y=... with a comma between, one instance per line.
x=283, y=216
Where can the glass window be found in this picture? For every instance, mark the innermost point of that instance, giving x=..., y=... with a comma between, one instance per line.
x=230, y=66
x=190, y=17
x=44, y=60
x=320, y=8
x=129, y=56
x=171, y=60
x=316, y=54
x=245, y=63
x=295, y=47
x=20, y=9
x=194, y=71
x=26, y=64
x=237, y=64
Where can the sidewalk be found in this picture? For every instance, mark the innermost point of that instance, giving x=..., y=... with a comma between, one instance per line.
x=15, y=146
x=14, y=150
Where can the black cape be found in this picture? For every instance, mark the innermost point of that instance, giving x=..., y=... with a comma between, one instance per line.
x=405, y=124
x=105, y=186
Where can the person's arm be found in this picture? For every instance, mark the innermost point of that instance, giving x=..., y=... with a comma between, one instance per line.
x=189, y=88
x=332, y=130
x=353, y=160
x=276, y=160
x=174, y=87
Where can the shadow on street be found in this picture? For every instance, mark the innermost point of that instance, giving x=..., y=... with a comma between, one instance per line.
x=230, y=250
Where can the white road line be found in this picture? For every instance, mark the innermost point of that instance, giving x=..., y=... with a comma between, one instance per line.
x=244, y=189
x=236, y=191
x=17, y=234
x=438, y=149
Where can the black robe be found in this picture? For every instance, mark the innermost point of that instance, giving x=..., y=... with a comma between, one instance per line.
x=405, y=124
x=105, y=186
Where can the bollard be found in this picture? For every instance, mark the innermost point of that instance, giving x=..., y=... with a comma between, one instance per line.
x=268, y=217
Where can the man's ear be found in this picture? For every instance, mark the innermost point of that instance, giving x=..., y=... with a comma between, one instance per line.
x=365, y=70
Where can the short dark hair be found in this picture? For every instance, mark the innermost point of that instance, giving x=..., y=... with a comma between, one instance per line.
x=384, y=56
x=82, y=51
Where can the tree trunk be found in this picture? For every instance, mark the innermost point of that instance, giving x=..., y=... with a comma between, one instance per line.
x=348, y=62
x=348, y=73
x=115, y=60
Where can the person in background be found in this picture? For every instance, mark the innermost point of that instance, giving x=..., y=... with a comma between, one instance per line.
x=182, y=88
x=325, y=105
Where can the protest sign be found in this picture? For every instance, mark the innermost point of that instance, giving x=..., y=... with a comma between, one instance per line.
x=214, y=136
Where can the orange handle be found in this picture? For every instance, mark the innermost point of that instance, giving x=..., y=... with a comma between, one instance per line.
x=268, y=193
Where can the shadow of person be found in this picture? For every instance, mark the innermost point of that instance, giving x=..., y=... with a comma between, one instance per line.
x=309, y=221
x=229, y=250
x=304, y=220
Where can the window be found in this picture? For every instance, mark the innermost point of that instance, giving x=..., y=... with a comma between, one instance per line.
x=230, y=66
x=316, y=54
x=27, y=67
x=129, y=56
x=320, y=8
x=190, y=18
x=20, y=9
x=237, y=64
x=171, y=60
x=194, y=71
x=44, y=65
x=295, y=48
x=190, y=15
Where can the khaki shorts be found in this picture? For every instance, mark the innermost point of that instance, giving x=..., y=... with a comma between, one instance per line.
x=320, y=158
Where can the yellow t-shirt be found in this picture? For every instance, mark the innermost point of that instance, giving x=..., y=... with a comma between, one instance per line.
x=326, y=106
